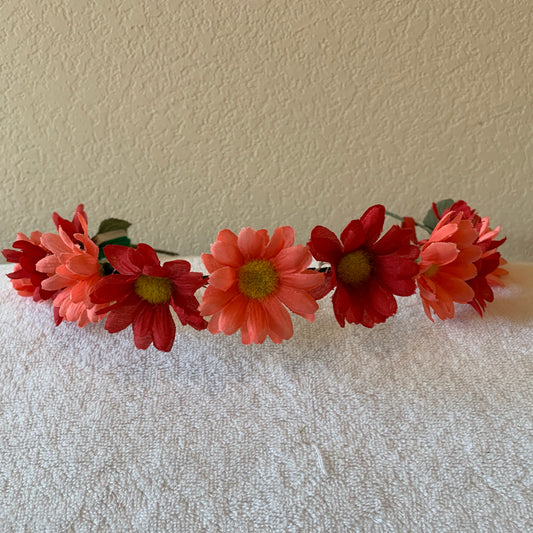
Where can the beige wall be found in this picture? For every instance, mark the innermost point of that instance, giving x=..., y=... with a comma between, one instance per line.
x=186, y=117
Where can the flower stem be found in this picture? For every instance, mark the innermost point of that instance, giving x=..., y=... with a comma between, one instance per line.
x=398, y=217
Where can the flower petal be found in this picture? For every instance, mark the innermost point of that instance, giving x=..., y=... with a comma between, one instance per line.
x=324, y=245
x=297, y=300
x=283, y=237
x=294, y=259
x=223, y=278
x=252, y=243
x=353, y=236
x=163, y=328
x=227, y=254
x=278, y=318
x=233, y=314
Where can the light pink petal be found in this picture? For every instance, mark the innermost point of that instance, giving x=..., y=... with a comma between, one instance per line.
x=282, y=237
x=210, y=263
x=227, y=236
x=256, y=325
x=252, y=243
x=278, y=318
x=227, y=254
x=305, y=280
x=54, y=283
x=47, y=264
x=213, y=325
x=83, y=265
x=213, y=300
x=292, y=260
x=55, y=243
x=233, y=314
x=223, y=278
x=297, y=300
x=439, y=253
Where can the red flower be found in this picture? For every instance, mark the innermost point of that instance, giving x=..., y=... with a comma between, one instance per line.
x=488, y=264
x=366, y=272
x=25, y=278
x=143, y=291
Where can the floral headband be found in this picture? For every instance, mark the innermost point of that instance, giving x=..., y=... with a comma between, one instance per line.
x=254, y=279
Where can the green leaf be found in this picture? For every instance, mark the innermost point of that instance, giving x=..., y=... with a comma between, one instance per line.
x=430, y=220
x=113, y=224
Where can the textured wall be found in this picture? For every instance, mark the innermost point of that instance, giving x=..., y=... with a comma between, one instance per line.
x=189, y=116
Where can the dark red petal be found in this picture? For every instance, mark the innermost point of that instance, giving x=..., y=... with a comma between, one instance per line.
x=354, y=313
x=163, y=328
x=341, y=302
x=353, y=236
x=324, y=245
x=120, y=258
x=142, y=324
x=189, y=283
x=144, y=255
x=18, y=274
x=122, y=315
x=391, y=241
x=381, y=299
x=372, y=220
x=394, y=267
x=177, y=267
x=12, y=256
x=112, y=288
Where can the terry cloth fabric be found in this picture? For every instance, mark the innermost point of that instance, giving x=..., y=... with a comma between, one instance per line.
x=407, y=427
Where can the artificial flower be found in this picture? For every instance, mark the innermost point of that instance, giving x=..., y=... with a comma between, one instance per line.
x=252, y=279
x=488, y=265
x=73, y=271
x=366, y=272
x=447, y=263
x=142, y=292
x=71, y=228
x=25, y=278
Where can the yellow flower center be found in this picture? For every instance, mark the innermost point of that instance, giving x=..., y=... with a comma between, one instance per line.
x=153, y=289
x=258, y=279
x=431, y=271
x=354, y=268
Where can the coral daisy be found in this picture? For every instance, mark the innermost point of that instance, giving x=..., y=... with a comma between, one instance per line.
x=252, y=279
x=488, y=265
x=73, y=271
x=365, y=271
x=142, y=291
x=447, y=262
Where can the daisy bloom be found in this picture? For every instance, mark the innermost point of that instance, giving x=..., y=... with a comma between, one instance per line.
x=447, y=263
x=488, y=265
x=366, y=272
x=252, y=279
x=142, y=292
x=74, y=226
x=25, y=278
x=73, y=270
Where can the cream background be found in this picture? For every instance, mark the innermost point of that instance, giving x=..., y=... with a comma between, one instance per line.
x=186, y=117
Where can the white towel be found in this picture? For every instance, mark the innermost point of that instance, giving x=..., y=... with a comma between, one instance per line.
x=410, y=426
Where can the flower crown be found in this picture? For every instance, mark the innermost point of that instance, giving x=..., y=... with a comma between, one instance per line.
x=254, y=279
